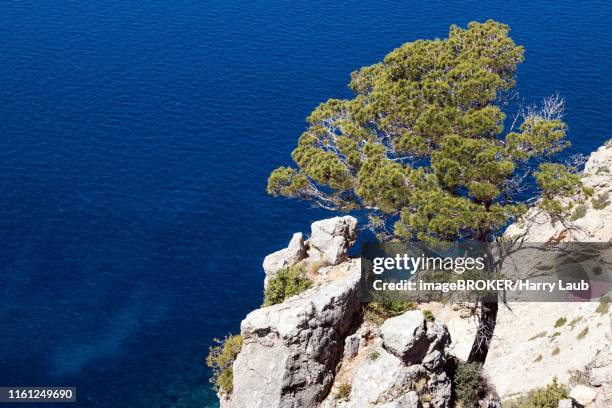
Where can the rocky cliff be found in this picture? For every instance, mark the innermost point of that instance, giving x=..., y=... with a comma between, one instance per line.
x=291, y=350
x=316, y=350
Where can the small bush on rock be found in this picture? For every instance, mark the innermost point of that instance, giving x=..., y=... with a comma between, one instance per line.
x=344, y=392
x=378, y=312
x=286, y=283
x=548, y=397
x=601, y=201
x=560, y=322
x=221, y=359
x=604, y=305
x=602, y=169
x=428, y=315
x=468, y=384
x=579, y=212
x=574, y=322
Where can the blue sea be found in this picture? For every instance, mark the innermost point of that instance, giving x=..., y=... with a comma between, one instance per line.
x=136, y=138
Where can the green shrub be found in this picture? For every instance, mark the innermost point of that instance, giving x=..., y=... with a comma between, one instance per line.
x=546, y=397
x=574, y=322
x=428, y=315
x=538, y=359
x=579, y=212
x=597, y=270
x=378, y=312
x=286, y=283
x=583, y=333
x=468, y=383
x=604, y=305
x=555, y=334
x=601, y=201
x=221, y=359
x=560, y=322
x=602, y=169
x=344, y=392
x=374, y=355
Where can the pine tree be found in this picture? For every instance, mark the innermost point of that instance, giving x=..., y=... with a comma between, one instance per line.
x=421, y=145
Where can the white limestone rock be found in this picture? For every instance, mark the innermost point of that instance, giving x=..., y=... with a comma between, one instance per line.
x=405, y=336
x=409, y=363
x=382, y=381
x=286, y=257
x=331, y=239
x=599, y=371
x=434, y=360
x=290, y=350
x=408, y=400
x=566, y=403
x=351, y=345
x=583, y=395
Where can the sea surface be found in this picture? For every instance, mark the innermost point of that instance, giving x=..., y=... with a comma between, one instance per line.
x=136, y=137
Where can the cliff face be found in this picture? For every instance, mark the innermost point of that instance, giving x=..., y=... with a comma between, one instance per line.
x=302, y=352
x=314, y=350
x=291, y=350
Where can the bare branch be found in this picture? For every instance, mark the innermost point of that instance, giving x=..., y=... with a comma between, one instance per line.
x=552, y=108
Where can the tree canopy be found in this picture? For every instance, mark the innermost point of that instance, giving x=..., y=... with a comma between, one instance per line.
x=422, y=141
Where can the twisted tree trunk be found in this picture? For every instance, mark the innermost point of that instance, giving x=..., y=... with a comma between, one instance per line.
x=484, y=334
x=488, y=312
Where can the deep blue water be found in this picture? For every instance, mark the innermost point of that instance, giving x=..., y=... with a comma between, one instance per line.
x=135, y=141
